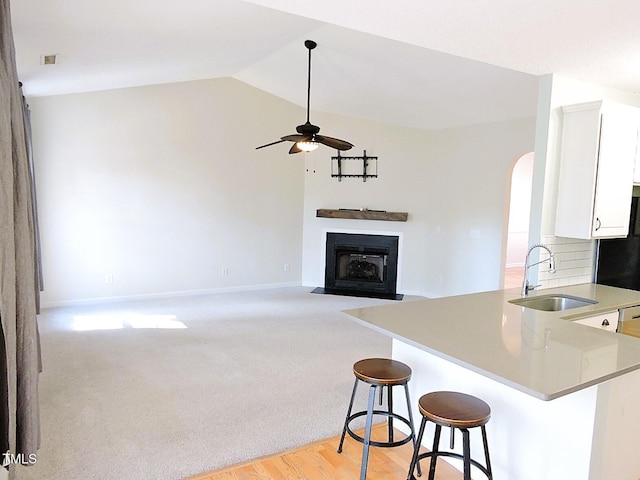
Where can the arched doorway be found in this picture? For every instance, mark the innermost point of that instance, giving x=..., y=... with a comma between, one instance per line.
x=518, y=221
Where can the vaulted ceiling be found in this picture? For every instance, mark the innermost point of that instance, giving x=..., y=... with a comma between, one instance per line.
x=423, y=63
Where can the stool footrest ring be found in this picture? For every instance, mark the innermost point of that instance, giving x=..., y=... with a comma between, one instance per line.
x=374, y=443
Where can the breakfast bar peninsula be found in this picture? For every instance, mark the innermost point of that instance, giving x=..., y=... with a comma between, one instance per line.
x=564, y=395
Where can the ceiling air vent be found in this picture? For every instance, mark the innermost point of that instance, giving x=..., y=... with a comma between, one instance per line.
x=48, y=59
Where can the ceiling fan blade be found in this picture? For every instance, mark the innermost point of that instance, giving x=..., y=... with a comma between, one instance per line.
x=295, y=149
x=334, y=142
x=269, y=144
x=296, y=137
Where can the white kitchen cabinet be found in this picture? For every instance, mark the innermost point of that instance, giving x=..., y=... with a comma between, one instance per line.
x=606, y=321
x=602, y=357
x=597, y=159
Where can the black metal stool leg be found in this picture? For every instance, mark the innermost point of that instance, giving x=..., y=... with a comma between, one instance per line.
x=390, y=409
x=416, y=442
x=436, y=442
x=466, y=453
x=416, y=451
x=367, y=434
x=486, y=452
x=346, y=422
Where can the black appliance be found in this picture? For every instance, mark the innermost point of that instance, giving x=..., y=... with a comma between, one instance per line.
x=618, y=259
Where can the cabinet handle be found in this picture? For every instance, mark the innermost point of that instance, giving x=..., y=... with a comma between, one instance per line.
x=598, y=224
x=605, y=323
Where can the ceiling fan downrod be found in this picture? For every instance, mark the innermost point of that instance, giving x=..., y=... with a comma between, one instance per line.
x=310, y=44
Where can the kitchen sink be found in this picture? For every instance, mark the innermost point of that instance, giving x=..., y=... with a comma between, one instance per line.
x=553, y=302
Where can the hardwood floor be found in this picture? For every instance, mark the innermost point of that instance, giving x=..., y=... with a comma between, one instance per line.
x=321, y=461
x=513, y=277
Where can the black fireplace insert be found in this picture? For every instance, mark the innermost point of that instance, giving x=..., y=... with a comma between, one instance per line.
x=361, y=265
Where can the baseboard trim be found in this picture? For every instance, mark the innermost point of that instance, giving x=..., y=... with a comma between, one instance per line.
x=161, y=295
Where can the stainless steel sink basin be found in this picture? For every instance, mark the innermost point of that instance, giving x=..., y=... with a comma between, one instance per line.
x=553, y=302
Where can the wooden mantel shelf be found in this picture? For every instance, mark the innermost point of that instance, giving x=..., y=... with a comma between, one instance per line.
x=363, y=214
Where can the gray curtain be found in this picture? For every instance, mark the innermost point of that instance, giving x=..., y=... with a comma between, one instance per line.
x=18, y=265
x=39, y=279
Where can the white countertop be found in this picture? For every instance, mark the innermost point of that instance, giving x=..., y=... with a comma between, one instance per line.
x=540, y=353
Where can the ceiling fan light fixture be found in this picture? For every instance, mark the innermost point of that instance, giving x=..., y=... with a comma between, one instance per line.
x=308, y=146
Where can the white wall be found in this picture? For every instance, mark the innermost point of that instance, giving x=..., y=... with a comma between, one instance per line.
x=453, y=183
x=161, y=187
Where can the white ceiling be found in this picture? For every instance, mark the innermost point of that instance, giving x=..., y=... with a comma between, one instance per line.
x=430, y=64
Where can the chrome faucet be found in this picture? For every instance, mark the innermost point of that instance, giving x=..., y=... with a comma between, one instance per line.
x=526, y=288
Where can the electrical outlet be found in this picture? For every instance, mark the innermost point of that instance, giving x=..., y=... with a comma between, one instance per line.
x=108, y=279
x=225, y=271
x=286, y=267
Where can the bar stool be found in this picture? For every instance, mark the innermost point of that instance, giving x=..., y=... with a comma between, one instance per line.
x=458, y=411
x=379, y=372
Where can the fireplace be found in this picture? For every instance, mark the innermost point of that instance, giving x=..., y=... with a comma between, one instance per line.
x=361, y=265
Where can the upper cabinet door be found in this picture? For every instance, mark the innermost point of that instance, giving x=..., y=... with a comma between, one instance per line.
x=614, y=180
x=595, y=183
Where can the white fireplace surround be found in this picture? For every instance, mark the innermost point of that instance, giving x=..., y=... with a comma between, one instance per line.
x=323, y=253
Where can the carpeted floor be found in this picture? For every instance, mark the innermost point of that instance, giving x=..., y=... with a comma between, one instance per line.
x=126, y=395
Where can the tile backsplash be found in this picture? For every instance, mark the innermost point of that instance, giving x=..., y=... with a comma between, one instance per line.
x=575, y=260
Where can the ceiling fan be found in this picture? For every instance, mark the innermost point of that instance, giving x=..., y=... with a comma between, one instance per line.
x=307, y=139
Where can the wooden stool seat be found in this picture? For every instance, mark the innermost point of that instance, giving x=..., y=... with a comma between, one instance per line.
x=382, y=371
x=458, y=411
x=454, y=409
x=379, y=374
